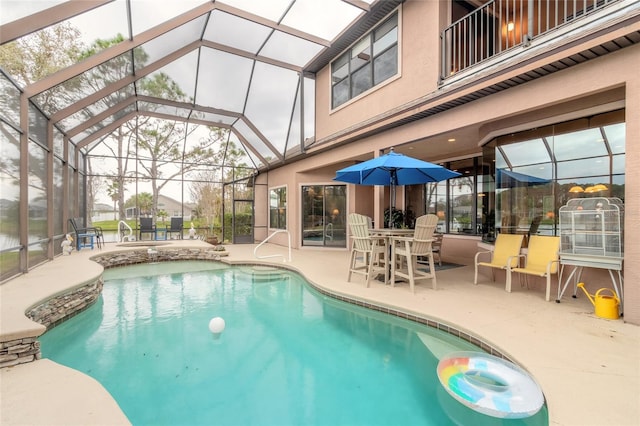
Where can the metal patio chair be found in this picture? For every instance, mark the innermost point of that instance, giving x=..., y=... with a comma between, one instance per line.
x=147, y=227
x=175, y=227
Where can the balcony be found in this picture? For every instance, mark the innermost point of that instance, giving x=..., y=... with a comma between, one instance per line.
x=501, y=26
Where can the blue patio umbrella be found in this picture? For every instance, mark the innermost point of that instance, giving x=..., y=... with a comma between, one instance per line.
x=393, y=169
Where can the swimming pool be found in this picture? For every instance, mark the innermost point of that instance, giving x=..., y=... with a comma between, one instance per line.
x=288, y=356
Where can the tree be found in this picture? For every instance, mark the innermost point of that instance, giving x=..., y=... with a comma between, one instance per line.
x=162, y=143
x=164, y=147
x=34, y=57
x=226, y=164
x=144, y=202
x=37, y=55
x=162, y=214
x=124, y=137
x=113, y=191
x=28, y=60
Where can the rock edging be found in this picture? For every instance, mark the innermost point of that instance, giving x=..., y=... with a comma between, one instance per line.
x=55, y=310
x=155, y=254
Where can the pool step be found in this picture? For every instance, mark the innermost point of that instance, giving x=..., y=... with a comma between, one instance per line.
x=437, y=346
x=266, y=273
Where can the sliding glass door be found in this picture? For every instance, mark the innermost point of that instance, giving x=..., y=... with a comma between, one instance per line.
x=324, y=215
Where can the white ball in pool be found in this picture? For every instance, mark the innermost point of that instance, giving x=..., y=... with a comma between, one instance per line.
x=216, y=325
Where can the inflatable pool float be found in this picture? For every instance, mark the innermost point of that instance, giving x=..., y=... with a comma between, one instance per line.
x=490, y=385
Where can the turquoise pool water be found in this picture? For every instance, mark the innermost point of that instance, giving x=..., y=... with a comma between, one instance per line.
x=288, y=356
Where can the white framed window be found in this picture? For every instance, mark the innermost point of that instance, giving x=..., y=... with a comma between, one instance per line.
x=278, y=208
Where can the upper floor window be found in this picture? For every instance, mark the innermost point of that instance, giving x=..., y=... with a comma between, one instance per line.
x=369, y=62
x=278, y=208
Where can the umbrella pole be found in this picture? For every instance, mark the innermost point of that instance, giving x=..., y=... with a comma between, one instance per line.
x=393, y=178
x=392, y=203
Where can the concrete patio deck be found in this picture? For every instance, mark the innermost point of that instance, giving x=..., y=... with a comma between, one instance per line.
x=588, y=367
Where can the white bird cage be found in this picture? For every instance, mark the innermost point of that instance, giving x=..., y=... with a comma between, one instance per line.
x=592, y=227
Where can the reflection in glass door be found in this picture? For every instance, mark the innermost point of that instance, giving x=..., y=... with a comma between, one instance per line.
x=324, y=215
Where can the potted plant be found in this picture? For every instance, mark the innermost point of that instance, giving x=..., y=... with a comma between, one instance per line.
x=397, y=218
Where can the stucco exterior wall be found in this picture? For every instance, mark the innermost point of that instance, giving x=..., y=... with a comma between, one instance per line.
x=418, y=72
x=632, y=202
x=598, y=85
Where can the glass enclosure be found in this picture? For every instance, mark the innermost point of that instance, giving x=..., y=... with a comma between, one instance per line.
x=522, y=179
x=538, y=171
x=111, y=113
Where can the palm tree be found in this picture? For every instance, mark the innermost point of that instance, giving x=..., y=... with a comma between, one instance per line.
x=162, y=214
x=113, y=191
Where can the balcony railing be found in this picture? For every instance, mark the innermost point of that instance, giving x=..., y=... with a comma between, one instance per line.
x=501, y=25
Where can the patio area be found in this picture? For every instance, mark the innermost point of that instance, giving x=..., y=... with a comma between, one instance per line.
x=588, y=367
